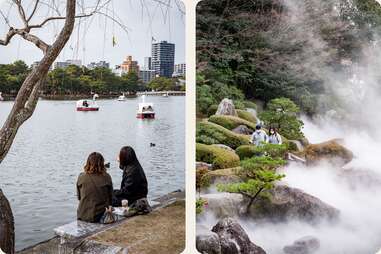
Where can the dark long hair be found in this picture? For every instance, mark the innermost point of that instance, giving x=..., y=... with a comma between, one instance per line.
x=127, y=157
x=95, y=164
x=274, y=129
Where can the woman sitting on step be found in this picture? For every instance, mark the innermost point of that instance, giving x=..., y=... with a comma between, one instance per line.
x=134, y=186
x=94, y=189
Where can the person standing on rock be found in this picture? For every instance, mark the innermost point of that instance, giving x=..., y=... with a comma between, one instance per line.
x=94, y=189
x=259, y=136
x=134, y=186
x=274, y=137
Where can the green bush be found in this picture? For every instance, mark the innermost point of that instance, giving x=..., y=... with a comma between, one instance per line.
x=272, y=150
x=238, y=104
x=283, y=114
x=246, y=116
x=230, y=122
x=211, y=133
x=250, y=104
x=249, y=167
x=217, y=156
x=212, y=110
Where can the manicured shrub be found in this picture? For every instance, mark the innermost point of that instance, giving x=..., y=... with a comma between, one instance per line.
x=272, y=150
x=253, y=188
x=249, y=167
x=211, y=133
x=212, y=109
x=230, y=122
x=246, y=116
x=218, y=157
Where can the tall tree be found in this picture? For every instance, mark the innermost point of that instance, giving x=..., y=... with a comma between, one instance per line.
x=26, y=100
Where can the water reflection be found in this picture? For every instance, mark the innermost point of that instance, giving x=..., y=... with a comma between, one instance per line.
x=39, y=173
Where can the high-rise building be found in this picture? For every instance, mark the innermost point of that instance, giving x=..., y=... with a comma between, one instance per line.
x=129, y=65
x=102, y=64
x=180, y=70
x=147, y=75
x=147, y=63
x=163, y=58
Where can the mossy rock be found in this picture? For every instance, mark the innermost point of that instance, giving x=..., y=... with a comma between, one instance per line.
x=331, y=151
x=218, y=157
x=246, y=115
x=248, y=151
x=230, y=122
x=210, y=133
x=226, y=175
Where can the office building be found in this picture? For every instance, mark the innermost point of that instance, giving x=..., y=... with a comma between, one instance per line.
x=65, y=64
x=100, y=64
x=129, y=65
x=147, y=63
x=163, y=58
x=179, y=70
x=147, y=75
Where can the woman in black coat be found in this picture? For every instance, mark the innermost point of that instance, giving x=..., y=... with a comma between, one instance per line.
x=134, y=185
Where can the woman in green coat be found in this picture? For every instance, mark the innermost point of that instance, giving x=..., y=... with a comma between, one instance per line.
x=94, y=189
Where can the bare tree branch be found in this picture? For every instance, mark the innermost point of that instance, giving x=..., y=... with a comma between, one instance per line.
x=21, y=12
x=33, y=11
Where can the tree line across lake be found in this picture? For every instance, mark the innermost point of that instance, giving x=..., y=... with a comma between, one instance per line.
x=74, y=80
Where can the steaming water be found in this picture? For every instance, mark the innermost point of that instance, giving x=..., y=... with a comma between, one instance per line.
x=39, y=173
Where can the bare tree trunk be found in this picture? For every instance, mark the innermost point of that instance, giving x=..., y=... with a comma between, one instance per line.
x=7, y=231
x=23, y=108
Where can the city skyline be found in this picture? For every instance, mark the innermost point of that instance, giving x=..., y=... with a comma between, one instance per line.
x=104, y=41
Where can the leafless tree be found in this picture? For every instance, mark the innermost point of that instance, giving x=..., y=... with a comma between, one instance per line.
x=27, y=97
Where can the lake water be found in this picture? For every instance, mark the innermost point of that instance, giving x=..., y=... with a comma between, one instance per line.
x=40, y=171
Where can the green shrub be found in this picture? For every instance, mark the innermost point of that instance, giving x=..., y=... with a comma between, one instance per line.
x=249, y=167
x=230, y=122
x=212, y=109
x=253, y=188
x=283, y=114
x=238, y=104
x=217, y=156
x=246, y=116
x=272, y=150
x=211, y=133
x=200, y=205
x=250, y=104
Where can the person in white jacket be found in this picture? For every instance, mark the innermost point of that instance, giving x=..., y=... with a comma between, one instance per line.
x=259, y=136
x=274, y=136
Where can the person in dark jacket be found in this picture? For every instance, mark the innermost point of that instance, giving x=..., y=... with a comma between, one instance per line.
x=134, y=186
x=94, y=189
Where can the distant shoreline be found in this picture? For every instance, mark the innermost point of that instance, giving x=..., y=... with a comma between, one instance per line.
x=69, y=97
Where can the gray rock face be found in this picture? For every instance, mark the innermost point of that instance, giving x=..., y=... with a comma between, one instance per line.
x=225, y=204
x=226, y=107
x=207, y=242
x=291, y=203
x=242, y=129
x=234, y=239
x=203, y=165
x=304, y=245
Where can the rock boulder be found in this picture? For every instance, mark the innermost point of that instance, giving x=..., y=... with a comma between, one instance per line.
x=304, y=245
x=331, y=151
x=226, y=107
x=207, y=242
x=291, y=203
x=233, y=238
x=242, y=129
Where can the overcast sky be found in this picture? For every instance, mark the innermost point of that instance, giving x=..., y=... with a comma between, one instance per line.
x=144, y=19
